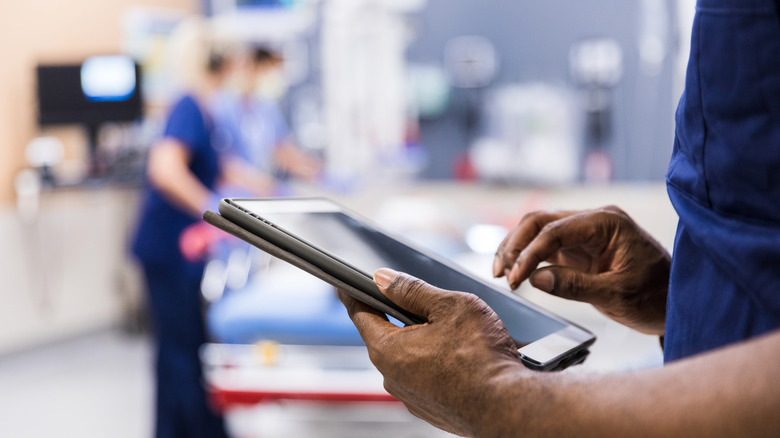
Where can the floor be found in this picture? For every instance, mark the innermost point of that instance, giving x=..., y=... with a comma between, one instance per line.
x=95, y=386
x=101, y=386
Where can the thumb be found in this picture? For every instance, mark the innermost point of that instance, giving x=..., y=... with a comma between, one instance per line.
x=408, y=292
x=571, y=284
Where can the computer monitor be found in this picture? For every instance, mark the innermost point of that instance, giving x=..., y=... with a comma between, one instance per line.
x=99, y=90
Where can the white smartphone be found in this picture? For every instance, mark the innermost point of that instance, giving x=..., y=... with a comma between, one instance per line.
x=320, y=233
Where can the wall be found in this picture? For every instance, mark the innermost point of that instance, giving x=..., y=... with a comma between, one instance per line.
x=50, y=30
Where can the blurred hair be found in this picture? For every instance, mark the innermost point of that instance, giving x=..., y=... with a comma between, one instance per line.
x=193, y=54
x=261, y=54
x=217, y=62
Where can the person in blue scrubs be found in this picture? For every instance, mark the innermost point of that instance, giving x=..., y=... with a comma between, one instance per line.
x=183, y=172
x=715, y=304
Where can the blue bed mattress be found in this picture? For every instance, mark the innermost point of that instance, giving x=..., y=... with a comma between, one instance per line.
x=283, y=305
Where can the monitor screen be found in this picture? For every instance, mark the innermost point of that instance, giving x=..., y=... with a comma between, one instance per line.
x=101, y=89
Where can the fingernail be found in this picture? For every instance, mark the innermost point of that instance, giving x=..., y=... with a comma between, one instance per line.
x=384, y=276
x=544, y=280
x=498, y=267
x=513, y=275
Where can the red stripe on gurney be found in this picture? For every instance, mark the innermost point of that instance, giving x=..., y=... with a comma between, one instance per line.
x=225, y=398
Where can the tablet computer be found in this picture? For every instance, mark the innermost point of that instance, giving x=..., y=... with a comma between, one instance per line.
x=340, y=247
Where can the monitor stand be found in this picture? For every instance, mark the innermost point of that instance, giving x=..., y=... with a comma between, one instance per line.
x=95, y=161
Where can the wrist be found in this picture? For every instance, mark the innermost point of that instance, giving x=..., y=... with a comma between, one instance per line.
x=510, y=401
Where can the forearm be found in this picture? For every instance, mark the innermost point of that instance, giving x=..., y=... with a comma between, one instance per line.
x=729, y=392
x=294, y=161
x=187, y=192
x=237, y=172
x=169, y=173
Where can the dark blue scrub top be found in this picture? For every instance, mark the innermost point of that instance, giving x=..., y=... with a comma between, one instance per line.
x=161, y=222
x=724, y=181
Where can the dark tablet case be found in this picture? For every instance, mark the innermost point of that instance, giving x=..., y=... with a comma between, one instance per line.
x=229, y=227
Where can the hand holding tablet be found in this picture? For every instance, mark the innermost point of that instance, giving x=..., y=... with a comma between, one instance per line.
x=337, y=246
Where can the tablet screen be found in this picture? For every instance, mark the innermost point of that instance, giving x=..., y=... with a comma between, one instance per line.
x=368, y=249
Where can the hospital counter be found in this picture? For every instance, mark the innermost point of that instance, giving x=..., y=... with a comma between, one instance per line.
x=64, y=269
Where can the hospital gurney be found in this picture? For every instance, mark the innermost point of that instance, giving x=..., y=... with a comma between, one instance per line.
x=287, y=361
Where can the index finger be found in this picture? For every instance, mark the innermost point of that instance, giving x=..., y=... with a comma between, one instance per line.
x=521, y=235
x=576, y=230
x=372, y=324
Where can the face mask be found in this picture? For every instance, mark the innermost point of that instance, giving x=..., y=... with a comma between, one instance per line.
x=235, y=82
x=271, y=85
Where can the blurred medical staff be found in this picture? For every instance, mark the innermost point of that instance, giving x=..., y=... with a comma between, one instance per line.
x=250, y=123
x=183, y=172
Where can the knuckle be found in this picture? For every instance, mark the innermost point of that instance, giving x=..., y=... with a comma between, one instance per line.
x=614, y=209
x=471, y=300
x=530, y=216
x=509, y=255
x=600, y=225
x=449, y=302
x=550, y=227
x=410, y=286
x=603, y=219
x=459, y=305
x=615, y=214
x=470, y=303
x=575, y=286
x=551, y=231
x=601, y=216
x=536, y=217
x=612, y=222
x=410, y=289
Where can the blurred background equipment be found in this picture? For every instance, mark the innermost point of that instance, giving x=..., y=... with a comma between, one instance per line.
x=363, y=69
x=533, y=42
x=596, y=66
x=101, y=89
x=408, y=89
x=529, y=136
x=43, y=154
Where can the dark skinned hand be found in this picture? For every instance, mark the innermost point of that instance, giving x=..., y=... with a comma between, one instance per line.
x=445, y=370
x=600, y=256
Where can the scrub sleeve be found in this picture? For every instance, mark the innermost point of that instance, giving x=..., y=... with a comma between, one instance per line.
x=250, y=129
x=724, y=181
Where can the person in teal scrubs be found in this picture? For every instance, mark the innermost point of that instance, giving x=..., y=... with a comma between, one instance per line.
x=251, y=126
